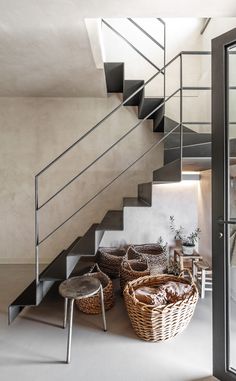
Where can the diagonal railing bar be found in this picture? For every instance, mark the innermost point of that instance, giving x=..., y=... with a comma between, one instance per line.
x=111, y=182
x=131, y=45
x=146, y=33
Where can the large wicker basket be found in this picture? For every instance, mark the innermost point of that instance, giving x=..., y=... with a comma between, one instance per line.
x=109, y=260
x=163, y=322
x=92, y=304
x=156, y=257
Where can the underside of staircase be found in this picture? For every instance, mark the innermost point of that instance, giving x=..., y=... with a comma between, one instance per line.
x=196, y=155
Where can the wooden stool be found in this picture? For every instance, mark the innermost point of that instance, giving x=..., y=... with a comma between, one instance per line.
x=76, y=288
x=202, y=274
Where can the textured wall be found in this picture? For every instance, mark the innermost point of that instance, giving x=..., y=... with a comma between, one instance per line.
x=33, y=132
x=145, y=225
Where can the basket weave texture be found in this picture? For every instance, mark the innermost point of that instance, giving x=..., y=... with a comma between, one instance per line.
x=92, y=304
x=109, y=260
x=160, y=323
x=132, y=267
x=156, y=257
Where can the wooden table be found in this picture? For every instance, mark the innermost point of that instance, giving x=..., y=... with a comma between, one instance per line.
x=179, y=257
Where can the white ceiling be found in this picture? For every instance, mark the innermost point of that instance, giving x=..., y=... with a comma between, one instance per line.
x=44, y=43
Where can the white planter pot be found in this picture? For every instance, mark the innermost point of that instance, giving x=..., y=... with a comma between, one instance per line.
x=188, y=250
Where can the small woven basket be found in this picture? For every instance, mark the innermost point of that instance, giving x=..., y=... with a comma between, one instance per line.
x=109, y=260
x=132, y=267
x=156, y=257
x=92, y=304
x=160, y=323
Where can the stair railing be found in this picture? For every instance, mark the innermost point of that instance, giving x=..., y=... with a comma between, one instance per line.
x=38, y=240
x=161, y=46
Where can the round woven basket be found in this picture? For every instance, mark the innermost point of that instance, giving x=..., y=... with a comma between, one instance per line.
x=109, y=260
x=160, y=323
x=132, y=269
x=92, y=304
x=156, y=257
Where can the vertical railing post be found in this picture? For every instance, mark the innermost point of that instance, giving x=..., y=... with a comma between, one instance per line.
x=164, y=64
x=181, y=110
x=36, y=227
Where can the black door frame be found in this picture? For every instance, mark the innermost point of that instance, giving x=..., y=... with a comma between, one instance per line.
x=220, y=205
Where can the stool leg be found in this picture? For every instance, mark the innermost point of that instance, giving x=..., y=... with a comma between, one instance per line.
x=65, y=312
x=203, y=284
x=103, y=309
x=71, y=310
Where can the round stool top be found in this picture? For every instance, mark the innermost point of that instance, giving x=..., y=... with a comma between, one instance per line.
x=79, y=287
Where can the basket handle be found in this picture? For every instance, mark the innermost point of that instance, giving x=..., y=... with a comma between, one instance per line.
x=95, y=267
x=185, y=270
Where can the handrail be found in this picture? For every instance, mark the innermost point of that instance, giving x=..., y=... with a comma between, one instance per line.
x=132, y=129
x=118, y=107
x=130, y=44
x=93, y=162
x=106, y=117
x=146, y=33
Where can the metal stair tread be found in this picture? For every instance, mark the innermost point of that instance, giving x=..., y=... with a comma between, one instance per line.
x=113, y=220
x=86, y=245
x=147, y=105
x=170, y=172
x=134, y=202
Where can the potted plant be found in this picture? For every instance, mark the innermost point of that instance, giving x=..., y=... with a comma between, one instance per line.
x=190, y=241
x=178, y=232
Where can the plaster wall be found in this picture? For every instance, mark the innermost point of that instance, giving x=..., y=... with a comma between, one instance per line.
x=36, y=130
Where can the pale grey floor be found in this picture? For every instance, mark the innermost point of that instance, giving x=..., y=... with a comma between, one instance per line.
x=34, y=346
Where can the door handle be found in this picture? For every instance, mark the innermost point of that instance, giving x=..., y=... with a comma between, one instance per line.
x=227, y=222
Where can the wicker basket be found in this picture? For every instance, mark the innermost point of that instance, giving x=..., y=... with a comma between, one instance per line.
x=109, y=260
x=92, y=304
x=163, y=322
x=156, y=257
x=132, y=267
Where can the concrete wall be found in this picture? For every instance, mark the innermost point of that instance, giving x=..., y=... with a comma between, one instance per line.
x=188, y=201
x=33, y=132
x=145, y=225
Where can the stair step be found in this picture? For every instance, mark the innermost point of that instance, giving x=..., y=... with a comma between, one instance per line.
x=113, y=220
x=168, y=173
x=130, y=86
x=56, y=270
x=147, y=105
x=86, y=245
x=169, y=124
x=114, y=73
x=134, y=202
x=145, y=192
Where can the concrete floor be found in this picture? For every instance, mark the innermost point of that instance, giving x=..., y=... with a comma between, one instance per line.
x=34, y=346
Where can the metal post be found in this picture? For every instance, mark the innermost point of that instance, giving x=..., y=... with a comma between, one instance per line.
x=164, y=64
x=71, y=310
x=103, y=309
x=36, y=232
x=181, y=110
x=65, y=312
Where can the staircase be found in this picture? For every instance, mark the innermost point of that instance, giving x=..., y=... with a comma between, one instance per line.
x=184, y=149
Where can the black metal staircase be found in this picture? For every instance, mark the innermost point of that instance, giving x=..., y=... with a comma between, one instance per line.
x=182, y=146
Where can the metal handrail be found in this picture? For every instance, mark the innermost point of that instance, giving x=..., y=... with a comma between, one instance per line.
x=146, y=33
x=88, y=166
x=112, y=146
x=86, y=134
